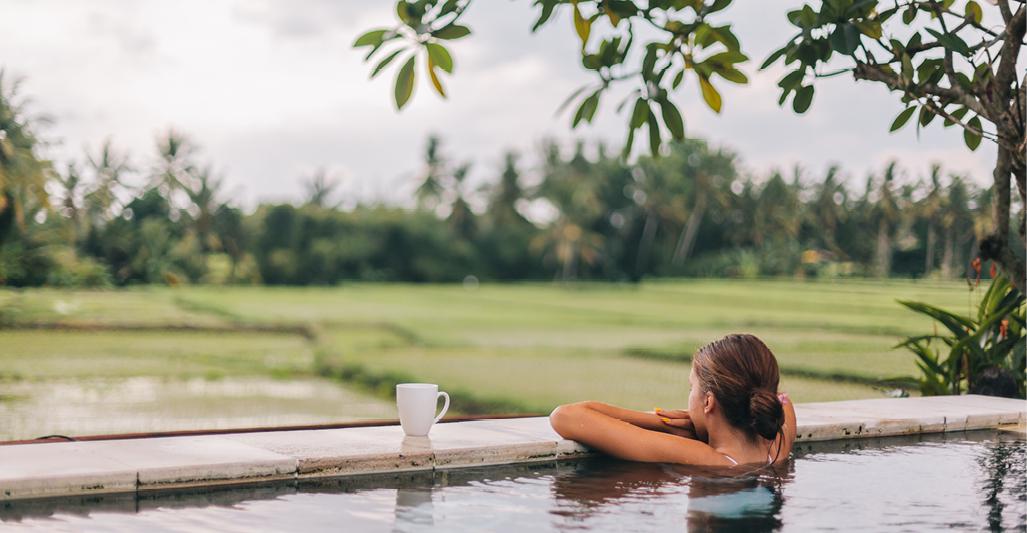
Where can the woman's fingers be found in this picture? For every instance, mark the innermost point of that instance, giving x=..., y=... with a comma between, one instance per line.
x=684, y=423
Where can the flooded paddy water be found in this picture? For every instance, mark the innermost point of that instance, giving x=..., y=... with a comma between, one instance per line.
x=90, y=406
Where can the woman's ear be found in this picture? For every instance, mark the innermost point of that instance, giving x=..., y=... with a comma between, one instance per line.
x=709, y=401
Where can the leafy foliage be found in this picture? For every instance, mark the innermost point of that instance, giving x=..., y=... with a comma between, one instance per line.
x=952, y=361
x=684, y=44
x=940, y=61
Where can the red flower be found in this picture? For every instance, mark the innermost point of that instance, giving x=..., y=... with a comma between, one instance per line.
x=1003, y=329
x=994, y=269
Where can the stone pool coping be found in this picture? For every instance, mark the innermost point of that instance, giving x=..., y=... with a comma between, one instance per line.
x=125, y=466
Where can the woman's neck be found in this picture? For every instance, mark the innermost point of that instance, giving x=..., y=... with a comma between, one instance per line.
x=726, y=439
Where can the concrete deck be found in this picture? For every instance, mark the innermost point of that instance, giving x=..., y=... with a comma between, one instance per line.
x=126, y=466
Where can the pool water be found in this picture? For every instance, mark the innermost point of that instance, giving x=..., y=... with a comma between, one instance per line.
x=955, y=481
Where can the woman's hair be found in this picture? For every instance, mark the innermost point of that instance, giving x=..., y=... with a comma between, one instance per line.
x=742, y=374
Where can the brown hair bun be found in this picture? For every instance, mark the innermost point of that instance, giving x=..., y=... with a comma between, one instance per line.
x=767, y=413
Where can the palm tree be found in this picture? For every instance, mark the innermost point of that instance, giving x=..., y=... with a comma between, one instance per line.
x=23, y=174
x=930, y=207
x=503, y=198
x=175, y=166
x=571, y=187
x=886, y=210
x=570, y=245
x=101, y=199
x=71, y=182
x=708, y=172
x=778, y=209
x=958, y=225
x=319, y=188
x=461, y=217
x=203, y=197
x=828, y=210
x=658, y=195
x=429, y=192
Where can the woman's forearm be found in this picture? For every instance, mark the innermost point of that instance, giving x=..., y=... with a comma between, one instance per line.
x=643, y=419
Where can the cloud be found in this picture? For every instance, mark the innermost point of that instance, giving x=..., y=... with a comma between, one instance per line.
x=272, y=89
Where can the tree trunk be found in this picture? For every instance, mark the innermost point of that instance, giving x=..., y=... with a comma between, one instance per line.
x=883, y=259
x=929, y=257
x=570, y=265
x=997, y=245
x=645, y=244
x=946, y=256
x=687, y=238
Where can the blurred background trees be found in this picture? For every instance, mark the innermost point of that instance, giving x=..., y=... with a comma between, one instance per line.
x=580, y=213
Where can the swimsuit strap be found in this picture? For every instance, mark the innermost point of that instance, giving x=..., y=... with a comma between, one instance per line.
x=770, y=460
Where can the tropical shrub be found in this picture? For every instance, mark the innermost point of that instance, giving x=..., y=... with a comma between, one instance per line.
x=974, y=353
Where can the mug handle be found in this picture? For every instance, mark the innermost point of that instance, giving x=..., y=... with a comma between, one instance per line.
x=445, y=406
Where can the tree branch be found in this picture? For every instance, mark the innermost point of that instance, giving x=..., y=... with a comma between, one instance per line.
x=939, y=110
x=894, y=81
x=1010, y=51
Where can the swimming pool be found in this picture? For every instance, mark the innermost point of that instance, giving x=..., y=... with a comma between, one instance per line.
x=954, y=481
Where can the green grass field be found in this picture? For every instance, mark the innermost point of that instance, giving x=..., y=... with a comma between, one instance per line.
x=520, y=347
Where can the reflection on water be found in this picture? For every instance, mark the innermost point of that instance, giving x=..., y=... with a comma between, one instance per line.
x=97, y=406
x=897, y=484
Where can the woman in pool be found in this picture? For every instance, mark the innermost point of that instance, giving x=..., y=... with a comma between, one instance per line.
x=735, y=414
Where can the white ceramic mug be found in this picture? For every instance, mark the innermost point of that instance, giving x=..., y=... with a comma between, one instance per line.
x=416, y=403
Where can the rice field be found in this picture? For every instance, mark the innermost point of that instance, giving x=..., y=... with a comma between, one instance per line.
x=525, y=347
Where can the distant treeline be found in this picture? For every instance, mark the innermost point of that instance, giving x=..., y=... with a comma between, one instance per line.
x=109, y=219
x=688, y=213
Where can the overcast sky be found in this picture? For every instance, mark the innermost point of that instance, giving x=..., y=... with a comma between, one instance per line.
x=272, y=90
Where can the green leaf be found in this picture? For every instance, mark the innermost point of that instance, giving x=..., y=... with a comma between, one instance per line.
x=845, y=38
x=907, y=68
x=638, y=114
x=654, y=134
x=543, y=17
x=871, y=29
x=582, y=25
x=571, y=98
x=370, y=38
x=908, y=15
x=727, y=58
x=710, y=94
x=649, y=61
x=955, y=323
x=717, y=6
x=452, y=32
x=677, y=79
x=926, y=116
x=733, y=75
x=951, y=41
x=791, y=80
x=383, y=63
x=587, y=109
x=774, y=56
x=449, y=7
x=404, y=83
x=803, y=98
x=957, y=114
x=973, y=11
x=972, y=139
x=903, y=118
x=405, y=12
x=672, y=118
x=629, y=143
x=440, y=56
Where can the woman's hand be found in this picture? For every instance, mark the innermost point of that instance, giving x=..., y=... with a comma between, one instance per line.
x=676, y=422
